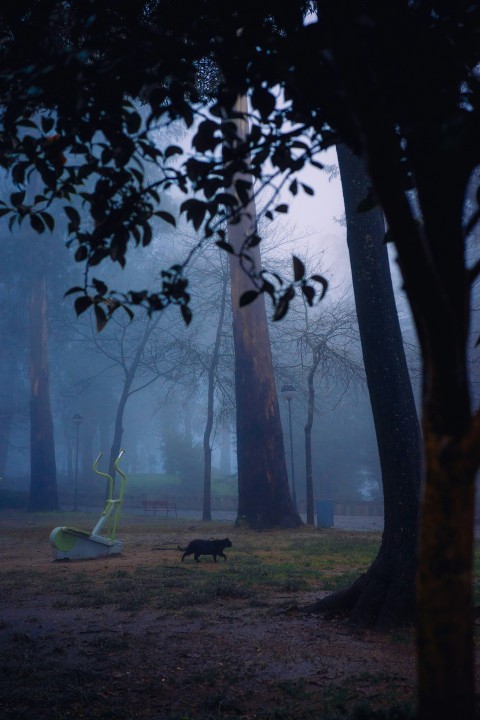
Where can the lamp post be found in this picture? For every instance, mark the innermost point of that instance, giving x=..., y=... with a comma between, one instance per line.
x=288, y=393
x=77, y=419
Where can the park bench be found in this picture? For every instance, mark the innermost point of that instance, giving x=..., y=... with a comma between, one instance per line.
x=155, y=505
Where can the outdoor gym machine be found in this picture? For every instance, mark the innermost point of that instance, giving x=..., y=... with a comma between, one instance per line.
x=73, y=544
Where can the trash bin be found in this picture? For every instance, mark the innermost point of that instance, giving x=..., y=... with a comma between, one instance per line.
x=324, y=513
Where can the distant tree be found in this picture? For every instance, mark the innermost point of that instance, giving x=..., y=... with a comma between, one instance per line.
x=212, y=370
x=329, y=339
x=43, y=472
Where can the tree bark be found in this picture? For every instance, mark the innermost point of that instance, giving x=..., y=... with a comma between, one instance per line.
x=308, y=437
x=207, y=449
x=443, y=149
x=43, y=475
x=264, y=499
x=385, y=595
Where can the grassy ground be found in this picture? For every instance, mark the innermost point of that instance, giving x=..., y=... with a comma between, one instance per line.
x=143, y=635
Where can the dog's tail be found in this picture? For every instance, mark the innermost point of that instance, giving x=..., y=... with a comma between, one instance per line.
x=181, y=549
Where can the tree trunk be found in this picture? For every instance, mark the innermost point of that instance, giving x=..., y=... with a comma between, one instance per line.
x=7, y=412
x=385, y=595
x=308, y=437
x=432, y=261
x=207, y=449
x=264, y=499
x=225, y=462
x=43, y=477
x=127, y=391
x=440, y=305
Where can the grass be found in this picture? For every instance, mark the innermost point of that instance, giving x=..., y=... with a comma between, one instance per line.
x=278, y=562
x=264, y=571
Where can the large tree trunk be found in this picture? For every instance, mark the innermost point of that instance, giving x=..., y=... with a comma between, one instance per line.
x=207, y=448
x=385, y=595
x=264, y=499
x=43, y=477
x=441, y=308
x=432, y=260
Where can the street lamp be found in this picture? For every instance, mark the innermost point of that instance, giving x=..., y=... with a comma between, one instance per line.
x=77, y=419
x=289, y=392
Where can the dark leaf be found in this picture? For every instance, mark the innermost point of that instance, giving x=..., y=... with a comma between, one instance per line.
x=293, y=187
x=308, y=189
x=48, y=220
x=283, y=208
x=253, y=241
x=73, y=215
x=73, y=290
x=248, y=297
x=133, y=122
x=173, y=150
x=195, y=211
x=147, y=235
x=100, y=317
x=323, y=282
x=281, y=309
x=205, y=137
x=167, y=217
x=224, y=245
x=17, y=198
x=263, y=101
x=37, y=223
x=81, y=253
x=82, y=303
x=309, y=293
x=186, y=314
x=99, y=286
x=298, y=268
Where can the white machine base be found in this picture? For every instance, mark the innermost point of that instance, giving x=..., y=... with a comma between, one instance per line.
x=72, y=544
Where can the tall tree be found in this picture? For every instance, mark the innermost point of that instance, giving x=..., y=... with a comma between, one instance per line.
x=264, y=499
x=427, y=111
x=385, y=594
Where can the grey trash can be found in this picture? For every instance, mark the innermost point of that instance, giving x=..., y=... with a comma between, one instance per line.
x=324, y=513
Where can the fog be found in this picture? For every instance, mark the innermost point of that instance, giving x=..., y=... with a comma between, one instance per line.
x=165, y=412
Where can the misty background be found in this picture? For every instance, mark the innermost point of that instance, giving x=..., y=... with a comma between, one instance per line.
x=165, y=409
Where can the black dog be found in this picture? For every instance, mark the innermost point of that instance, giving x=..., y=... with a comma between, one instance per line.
x=206, y=547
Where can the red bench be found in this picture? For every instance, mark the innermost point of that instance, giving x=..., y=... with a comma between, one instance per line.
x=155, y=505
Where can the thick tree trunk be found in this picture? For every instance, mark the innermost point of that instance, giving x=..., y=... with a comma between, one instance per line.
x=264, y=499
x=207, y=449
x=385, y=595
x=432, y=261
x=43, y=477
